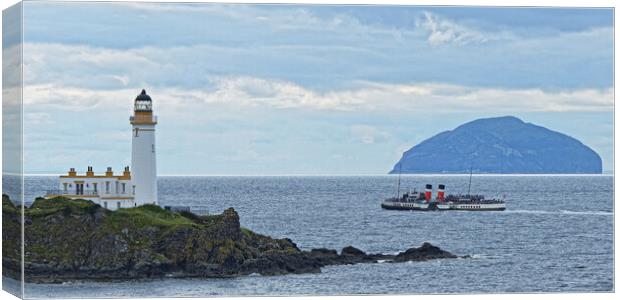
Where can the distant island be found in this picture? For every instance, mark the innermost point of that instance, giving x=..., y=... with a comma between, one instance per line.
x=502, y=145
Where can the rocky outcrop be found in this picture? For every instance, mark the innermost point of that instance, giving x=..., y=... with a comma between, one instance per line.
x=77, y=239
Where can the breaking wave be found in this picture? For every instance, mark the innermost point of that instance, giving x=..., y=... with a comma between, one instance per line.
x=559, y=212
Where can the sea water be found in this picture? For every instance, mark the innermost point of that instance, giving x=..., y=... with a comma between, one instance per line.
x=556, y=235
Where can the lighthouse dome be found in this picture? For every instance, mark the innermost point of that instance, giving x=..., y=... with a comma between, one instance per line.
x=143, y=96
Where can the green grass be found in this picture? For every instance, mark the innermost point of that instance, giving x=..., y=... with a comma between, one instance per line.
x=7, y=205
x=60, y=201
x=148, y=215
x=141, y=216
x=42, y=206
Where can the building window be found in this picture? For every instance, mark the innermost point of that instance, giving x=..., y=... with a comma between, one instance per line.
x=65, y=186
x=116, y=187
x=105, y=204
x=123, y=187
x=95, y=187
x=118, y=204
x=133, y=192
x=107, y=187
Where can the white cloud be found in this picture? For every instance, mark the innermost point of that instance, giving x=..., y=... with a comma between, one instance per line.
x=249, y=92
x=406, y=97
x=38, y=118
x=124, y=80
x=280, y=17
x=50, y=97
x=443, y=31
x=88, y=66
x=367, y=134
x=331, y=55
x=11, y=66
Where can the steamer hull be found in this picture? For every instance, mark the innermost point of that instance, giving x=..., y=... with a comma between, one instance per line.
x=479, y=206
x=392, y=205
x=398, y=205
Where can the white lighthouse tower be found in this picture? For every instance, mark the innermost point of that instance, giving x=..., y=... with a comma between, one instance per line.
x=143, y=156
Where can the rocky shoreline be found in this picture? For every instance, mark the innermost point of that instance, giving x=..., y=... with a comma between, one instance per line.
x=79, y=240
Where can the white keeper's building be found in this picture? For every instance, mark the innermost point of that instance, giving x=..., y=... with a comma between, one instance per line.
x=130, y=188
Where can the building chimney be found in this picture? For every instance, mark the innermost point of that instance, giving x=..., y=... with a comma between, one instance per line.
x=89, y=171
x=126, y=172
x=109, y=172
x=440, y=192
x=72, y=172
x=428, y=193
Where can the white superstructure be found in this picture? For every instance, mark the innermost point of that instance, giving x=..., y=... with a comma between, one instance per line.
x=108, y=190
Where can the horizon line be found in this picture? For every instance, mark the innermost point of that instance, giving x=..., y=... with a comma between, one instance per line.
x=351, y=174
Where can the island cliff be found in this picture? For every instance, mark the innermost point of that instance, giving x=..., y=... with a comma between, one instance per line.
x=503, y=145
x=79, y=240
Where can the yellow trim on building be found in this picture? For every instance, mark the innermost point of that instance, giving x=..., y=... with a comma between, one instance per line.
x=120, y=177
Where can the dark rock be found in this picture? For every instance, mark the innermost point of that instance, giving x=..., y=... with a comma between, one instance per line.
x=324, y=252
x=77, y=239
x=350, y=250
x=425, y=252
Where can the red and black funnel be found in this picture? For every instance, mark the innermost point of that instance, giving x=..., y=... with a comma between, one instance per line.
x=428, y=193
x=440, y=192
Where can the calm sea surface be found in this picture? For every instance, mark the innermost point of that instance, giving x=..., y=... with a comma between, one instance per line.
x=555, y=236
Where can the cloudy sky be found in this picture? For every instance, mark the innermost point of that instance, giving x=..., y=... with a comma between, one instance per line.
x=264, y=89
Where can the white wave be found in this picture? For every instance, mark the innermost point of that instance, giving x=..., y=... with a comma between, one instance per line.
x=560, y=212
x=479, y=256
x=596, y=213
x=522, y=211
